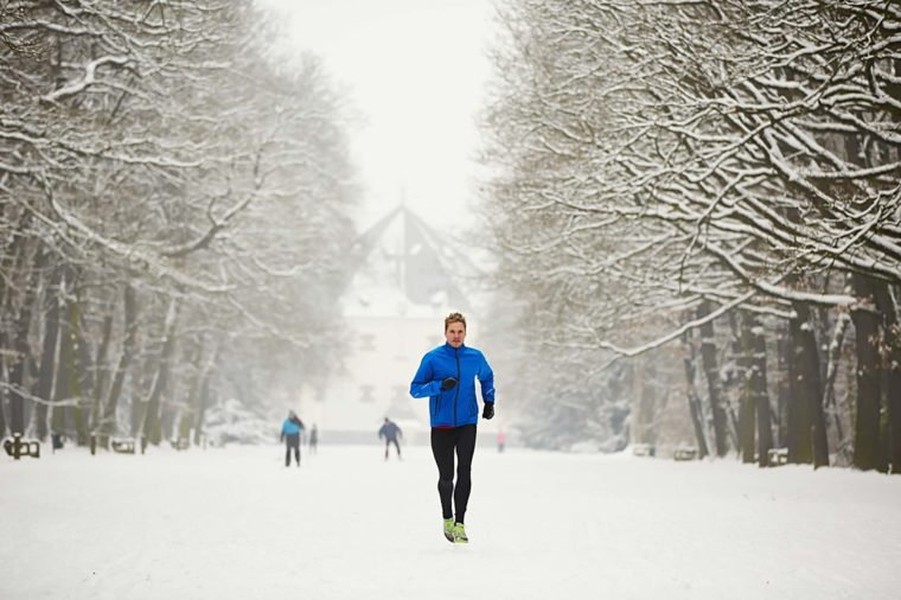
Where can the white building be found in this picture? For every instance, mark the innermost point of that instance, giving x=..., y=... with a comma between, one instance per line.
x=407, y=282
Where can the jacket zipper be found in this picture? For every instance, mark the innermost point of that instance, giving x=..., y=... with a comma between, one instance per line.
x=457, y=393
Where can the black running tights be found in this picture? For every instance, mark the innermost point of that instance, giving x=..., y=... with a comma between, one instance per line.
x=444, y=443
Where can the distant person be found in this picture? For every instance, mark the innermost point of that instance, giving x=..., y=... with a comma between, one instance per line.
x=313, y=439
x=501, y=439
x=447, y=377
x=291, y=428
x=392, y=433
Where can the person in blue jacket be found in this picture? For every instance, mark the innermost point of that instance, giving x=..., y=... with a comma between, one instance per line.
x=447, y=376
x=291, y=428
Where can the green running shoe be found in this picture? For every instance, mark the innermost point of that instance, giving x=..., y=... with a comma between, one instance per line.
x=449, y=529
x=460, y=534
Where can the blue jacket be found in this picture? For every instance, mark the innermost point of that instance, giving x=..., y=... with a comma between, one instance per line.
x=291, y=427
x=457, y=406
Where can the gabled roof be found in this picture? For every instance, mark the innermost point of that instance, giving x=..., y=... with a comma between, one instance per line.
x=403, y=266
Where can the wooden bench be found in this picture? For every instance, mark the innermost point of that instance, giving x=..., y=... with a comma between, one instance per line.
x=685, y=453
x=17, y=447
x=643, y=450
x=122, y=445
x=777, y=456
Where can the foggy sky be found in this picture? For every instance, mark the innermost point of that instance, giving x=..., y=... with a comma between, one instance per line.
x=415, y=71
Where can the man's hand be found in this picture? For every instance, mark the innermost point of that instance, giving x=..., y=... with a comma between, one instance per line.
x=488, y=411
x=448, y=383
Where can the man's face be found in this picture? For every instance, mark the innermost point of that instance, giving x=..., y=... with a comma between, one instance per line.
x=455, y=334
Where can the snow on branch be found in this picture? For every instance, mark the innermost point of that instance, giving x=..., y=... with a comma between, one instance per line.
x=27, y=395
x=219, y=224
x=771, y=289
x=8, y=168
x=143, y=261
x=90, y=77
x=275, y=332
x=636, y=350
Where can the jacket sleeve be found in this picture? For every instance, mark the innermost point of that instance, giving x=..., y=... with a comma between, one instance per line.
x=486, y=380
x=423, y=385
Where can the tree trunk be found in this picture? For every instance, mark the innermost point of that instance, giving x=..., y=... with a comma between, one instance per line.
x=6, y=308
x=150, y=426
x=888, y=306
x=17, y=375
x=761, y=395
x=784, y=387
x=130, y=327
x=746, y=413
x=74, y=362
x=65, y=391
x=807, y=425
x=694, y=401
x=643, y=415
x=85, y=366
x=12, y=261
x=3, y=402
x=202, y=402
x=202, y=395
x=835, y=420
x=170, y=410
x=714, y=386
x=818, y=433
x=43, y=387
x=21, y=349
x=869, y=393
x=100, y=376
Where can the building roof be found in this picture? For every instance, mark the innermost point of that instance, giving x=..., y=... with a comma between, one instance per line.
x=405, y=267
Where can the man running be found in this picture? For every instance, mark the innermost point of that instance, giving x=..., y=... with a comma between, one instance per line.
x=447, y=377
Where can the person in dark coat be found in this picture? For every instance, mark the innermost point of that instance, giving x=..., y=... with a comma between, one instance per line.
x=313, y=440
x=391, y=432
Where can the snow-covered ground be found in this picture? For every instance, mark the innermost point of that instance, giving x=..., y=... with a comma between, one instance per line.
x=235, y=523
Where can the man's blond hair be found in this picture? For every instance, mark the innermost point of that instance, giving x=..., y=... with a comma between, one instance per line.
x=454, y=317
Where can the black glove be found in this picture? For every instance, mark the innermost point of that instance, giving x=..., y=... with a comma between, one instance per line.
x=448, y=383
x=488, y=411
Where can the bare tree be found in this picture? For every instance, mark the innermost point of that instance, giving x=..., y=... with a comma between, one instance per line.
x=667, y=154
x=160, y=152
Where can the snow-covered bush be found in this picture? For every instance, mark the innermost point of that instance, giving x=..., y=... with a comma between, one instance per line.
x=232, y=422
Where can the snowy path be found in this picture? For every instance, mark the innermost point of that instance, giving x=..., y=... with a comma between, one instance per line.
x=236, y=523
